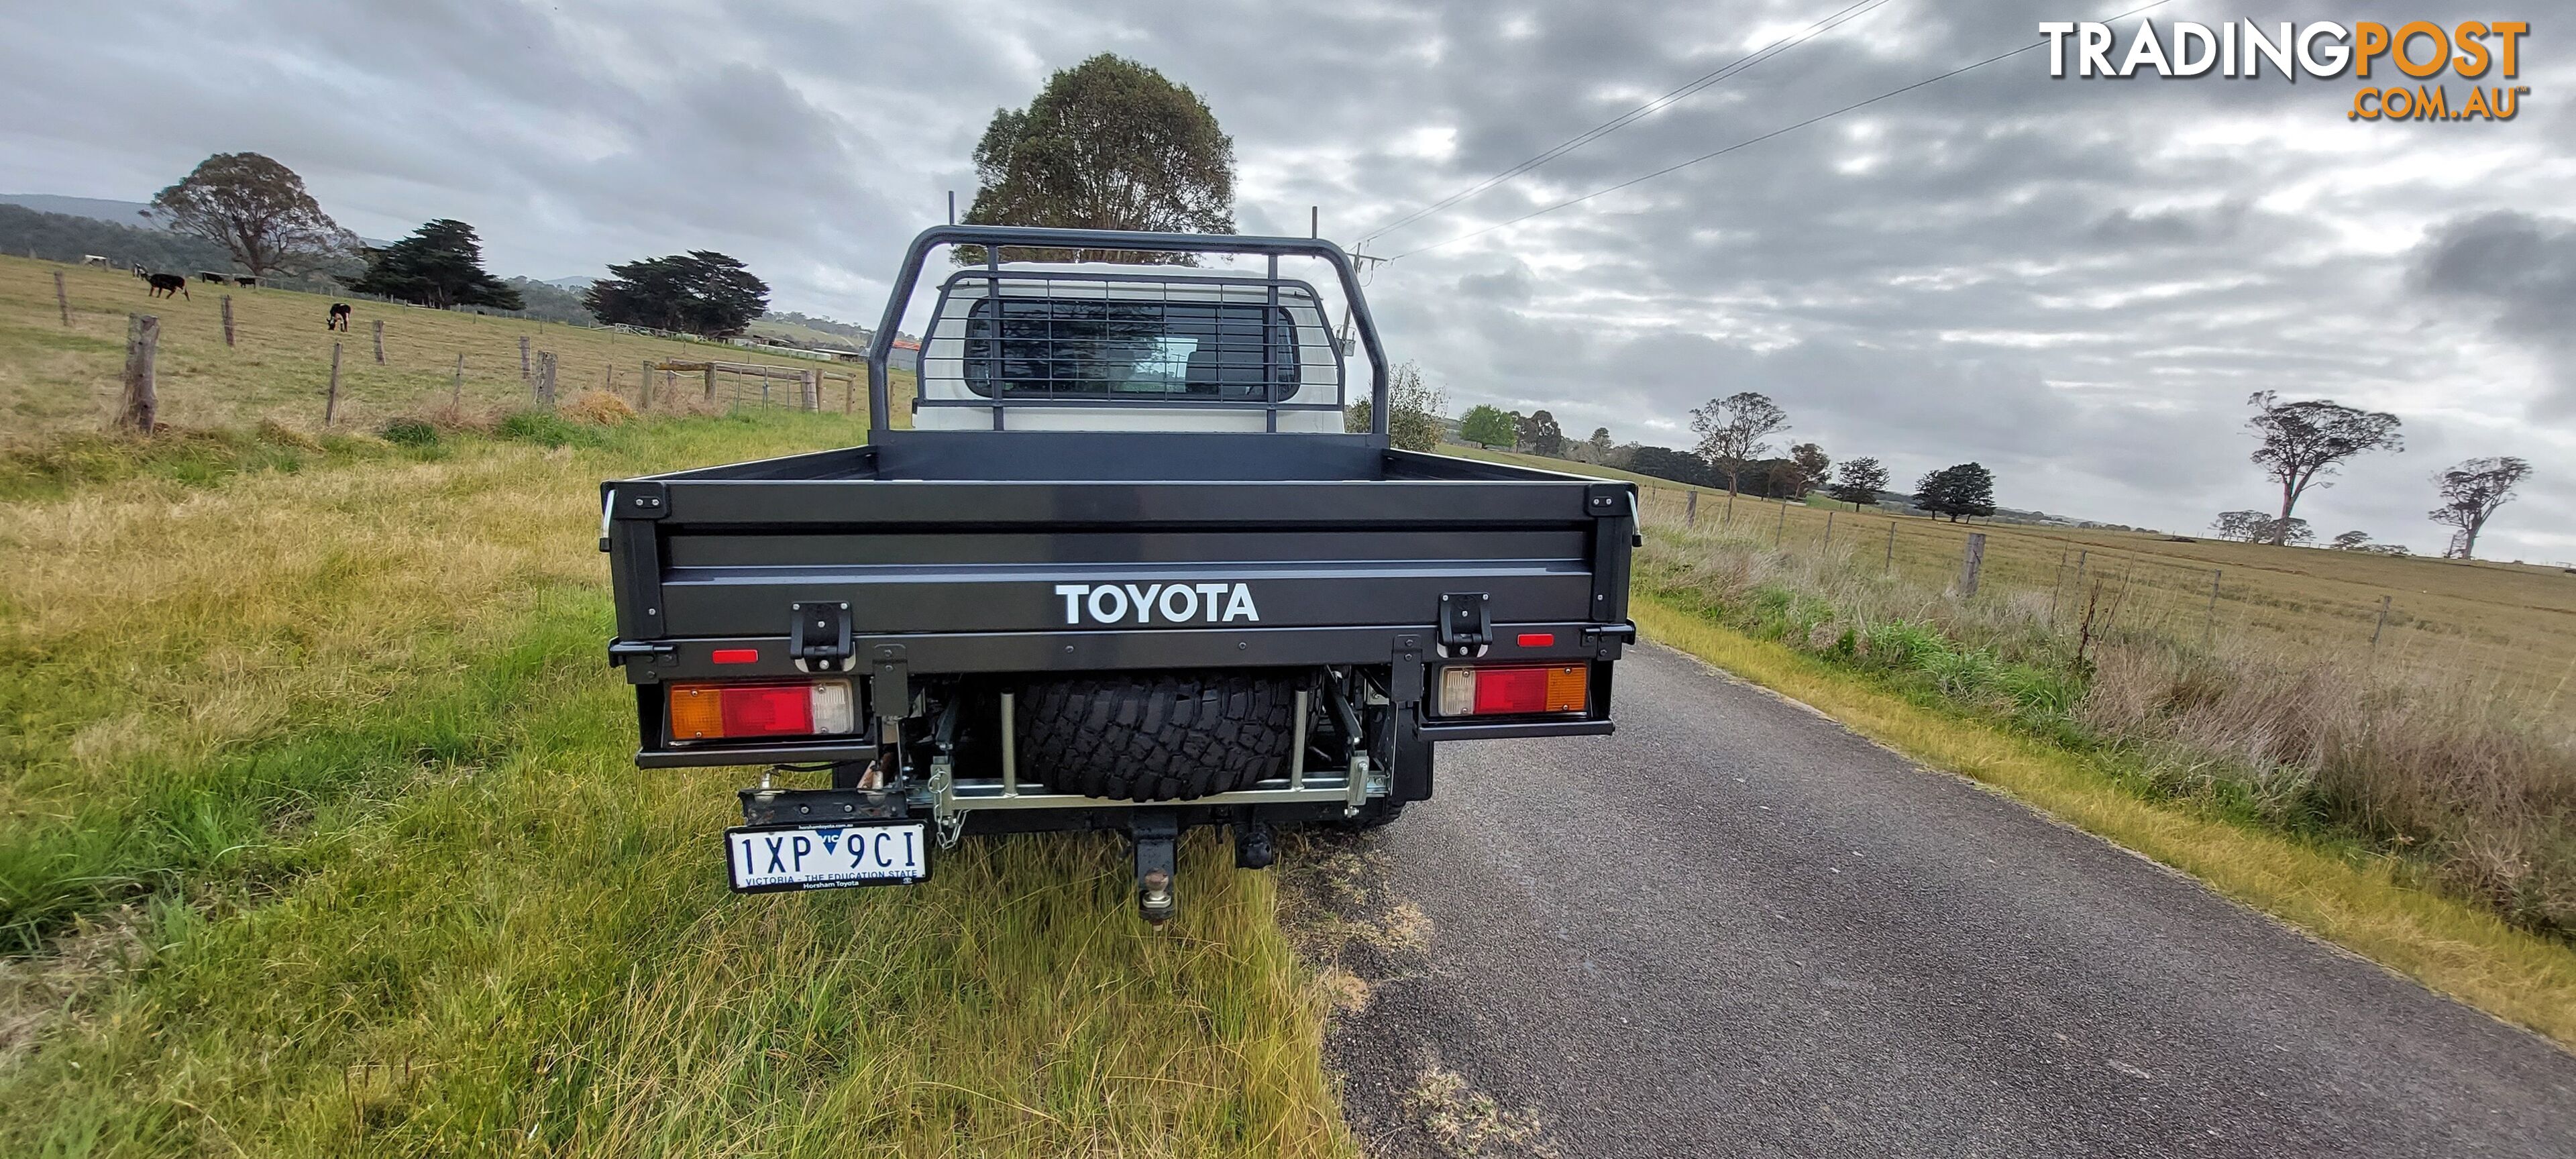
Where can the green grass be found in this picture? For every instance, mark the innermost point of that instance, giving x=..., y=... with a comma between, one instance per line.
x=322, y=825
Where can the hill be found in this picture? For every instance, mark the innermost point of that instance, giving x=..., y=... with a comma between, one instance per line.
x=94, y=208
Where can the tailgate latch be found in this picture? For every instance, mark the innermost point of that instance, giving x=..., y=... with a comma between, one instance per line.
x=818, y=636
x=1464, y=630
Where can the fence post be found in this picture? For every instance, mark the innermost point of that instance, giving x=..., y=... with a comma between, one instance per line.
x=63, y=301
x=379, y=329
x=1829, y=532
x=644, y=386
x=1729, y=517
x=1976, y=562
x=523, y=358
x=331, y=399
x=2057, y=583
x=849, y=393
x=711, y=382
x=1781, y=533
x=141, y=405
x=228, y=319
x=456, y=386
x=1690, y=511
x=1890, y=564
x=546, y=378
x=2382, y=625
x=812, y=390
x=2209, y=624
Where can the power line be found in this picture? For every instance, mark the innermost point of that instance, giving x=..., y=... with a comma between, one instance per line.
x=1750, y=141
x=1830, y=22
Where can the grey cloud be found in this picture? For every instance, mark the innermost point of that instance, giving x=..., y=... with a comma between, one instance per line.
x=2075, y=283
x=2518, y=271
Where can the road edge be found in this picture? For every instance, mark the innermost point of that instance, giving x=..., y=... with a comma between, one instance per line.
x=2447, y=946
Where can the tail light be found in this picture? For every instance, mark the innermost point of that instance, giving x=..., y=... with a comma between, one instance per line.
x=1514, y=689
x=740, y=709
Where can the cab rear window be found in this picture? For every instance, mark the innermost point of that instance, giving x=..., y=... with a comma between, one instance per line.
x=1106, y=348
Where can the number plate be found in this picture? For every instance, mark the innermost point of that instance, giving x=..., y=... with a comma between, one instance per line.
x=773, y=858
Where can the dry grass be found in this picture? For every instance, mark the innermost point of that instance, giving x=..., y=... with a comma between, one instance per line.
x=2476, y=790
x=2506, y=630
x=2371, y=906
x=56, y=380
x=339, y=743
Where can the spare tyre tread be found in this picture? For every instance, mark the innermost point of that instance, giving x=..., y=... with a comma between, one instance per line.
x=1169, y=736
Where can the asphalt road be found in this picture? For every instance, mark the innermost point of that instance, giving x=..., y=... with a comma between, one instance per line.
x=1736, y=929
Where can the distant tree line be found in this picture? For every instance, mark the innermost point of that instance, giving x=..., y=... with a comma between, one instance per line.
x=59, y=237
x=248, y=213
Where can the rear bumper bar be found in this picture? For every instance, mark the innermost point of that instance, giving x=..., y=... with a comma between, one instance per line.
x=651, y=662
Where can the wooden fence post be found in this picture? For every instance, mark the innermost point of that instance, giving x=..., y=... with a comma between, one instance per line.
x=849, y=393
x=62, y=301
x=711, y=382
x=1890, y=564
x=331, y=399
x=456, y=386
x=142, y=402
x=1829, y=531
x=2057, y=581
x=228, y=319
x=546, y=378
x=523, y=358
x=2382, y=625
x=644, y=386
x=2209, y=624
x=1780, y=534
x=1690, y=511
x=813, y=390
x=2081, y=559
x=1729, y=518
x=379, y=329
x=1976, y=562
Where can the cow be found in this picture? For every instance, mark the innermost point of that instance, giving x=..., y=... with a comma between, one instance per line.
x=246, y=282
x=339, y=319
x=212, y=278
x=163, y=285
x=99, y=260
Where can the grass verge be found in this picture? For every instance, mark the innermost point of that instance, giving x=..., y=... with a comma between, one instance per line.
x=2364, y=905
x=320, y=806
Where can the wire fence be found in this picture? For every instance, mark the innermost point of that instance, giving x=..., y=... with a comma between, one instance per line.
x=218, y=355
x=2510, y=630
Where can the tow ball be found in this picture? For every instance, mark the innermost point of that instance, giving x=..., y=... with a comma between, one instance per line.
x=1156, y=832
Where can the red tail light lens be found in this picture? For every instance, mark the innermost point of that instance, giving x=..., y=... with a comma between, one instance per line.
x=733, y=711
x=1514, y=689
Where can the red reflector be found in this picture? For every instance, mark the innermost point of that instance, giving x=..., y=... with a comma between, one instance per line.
x=736, y=656
x=1538, y=639
x=1511, y=690
x=773, y=710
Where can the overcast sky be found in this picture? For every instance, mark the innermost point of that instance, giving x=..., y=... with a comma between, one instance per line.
x=2074, y=282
